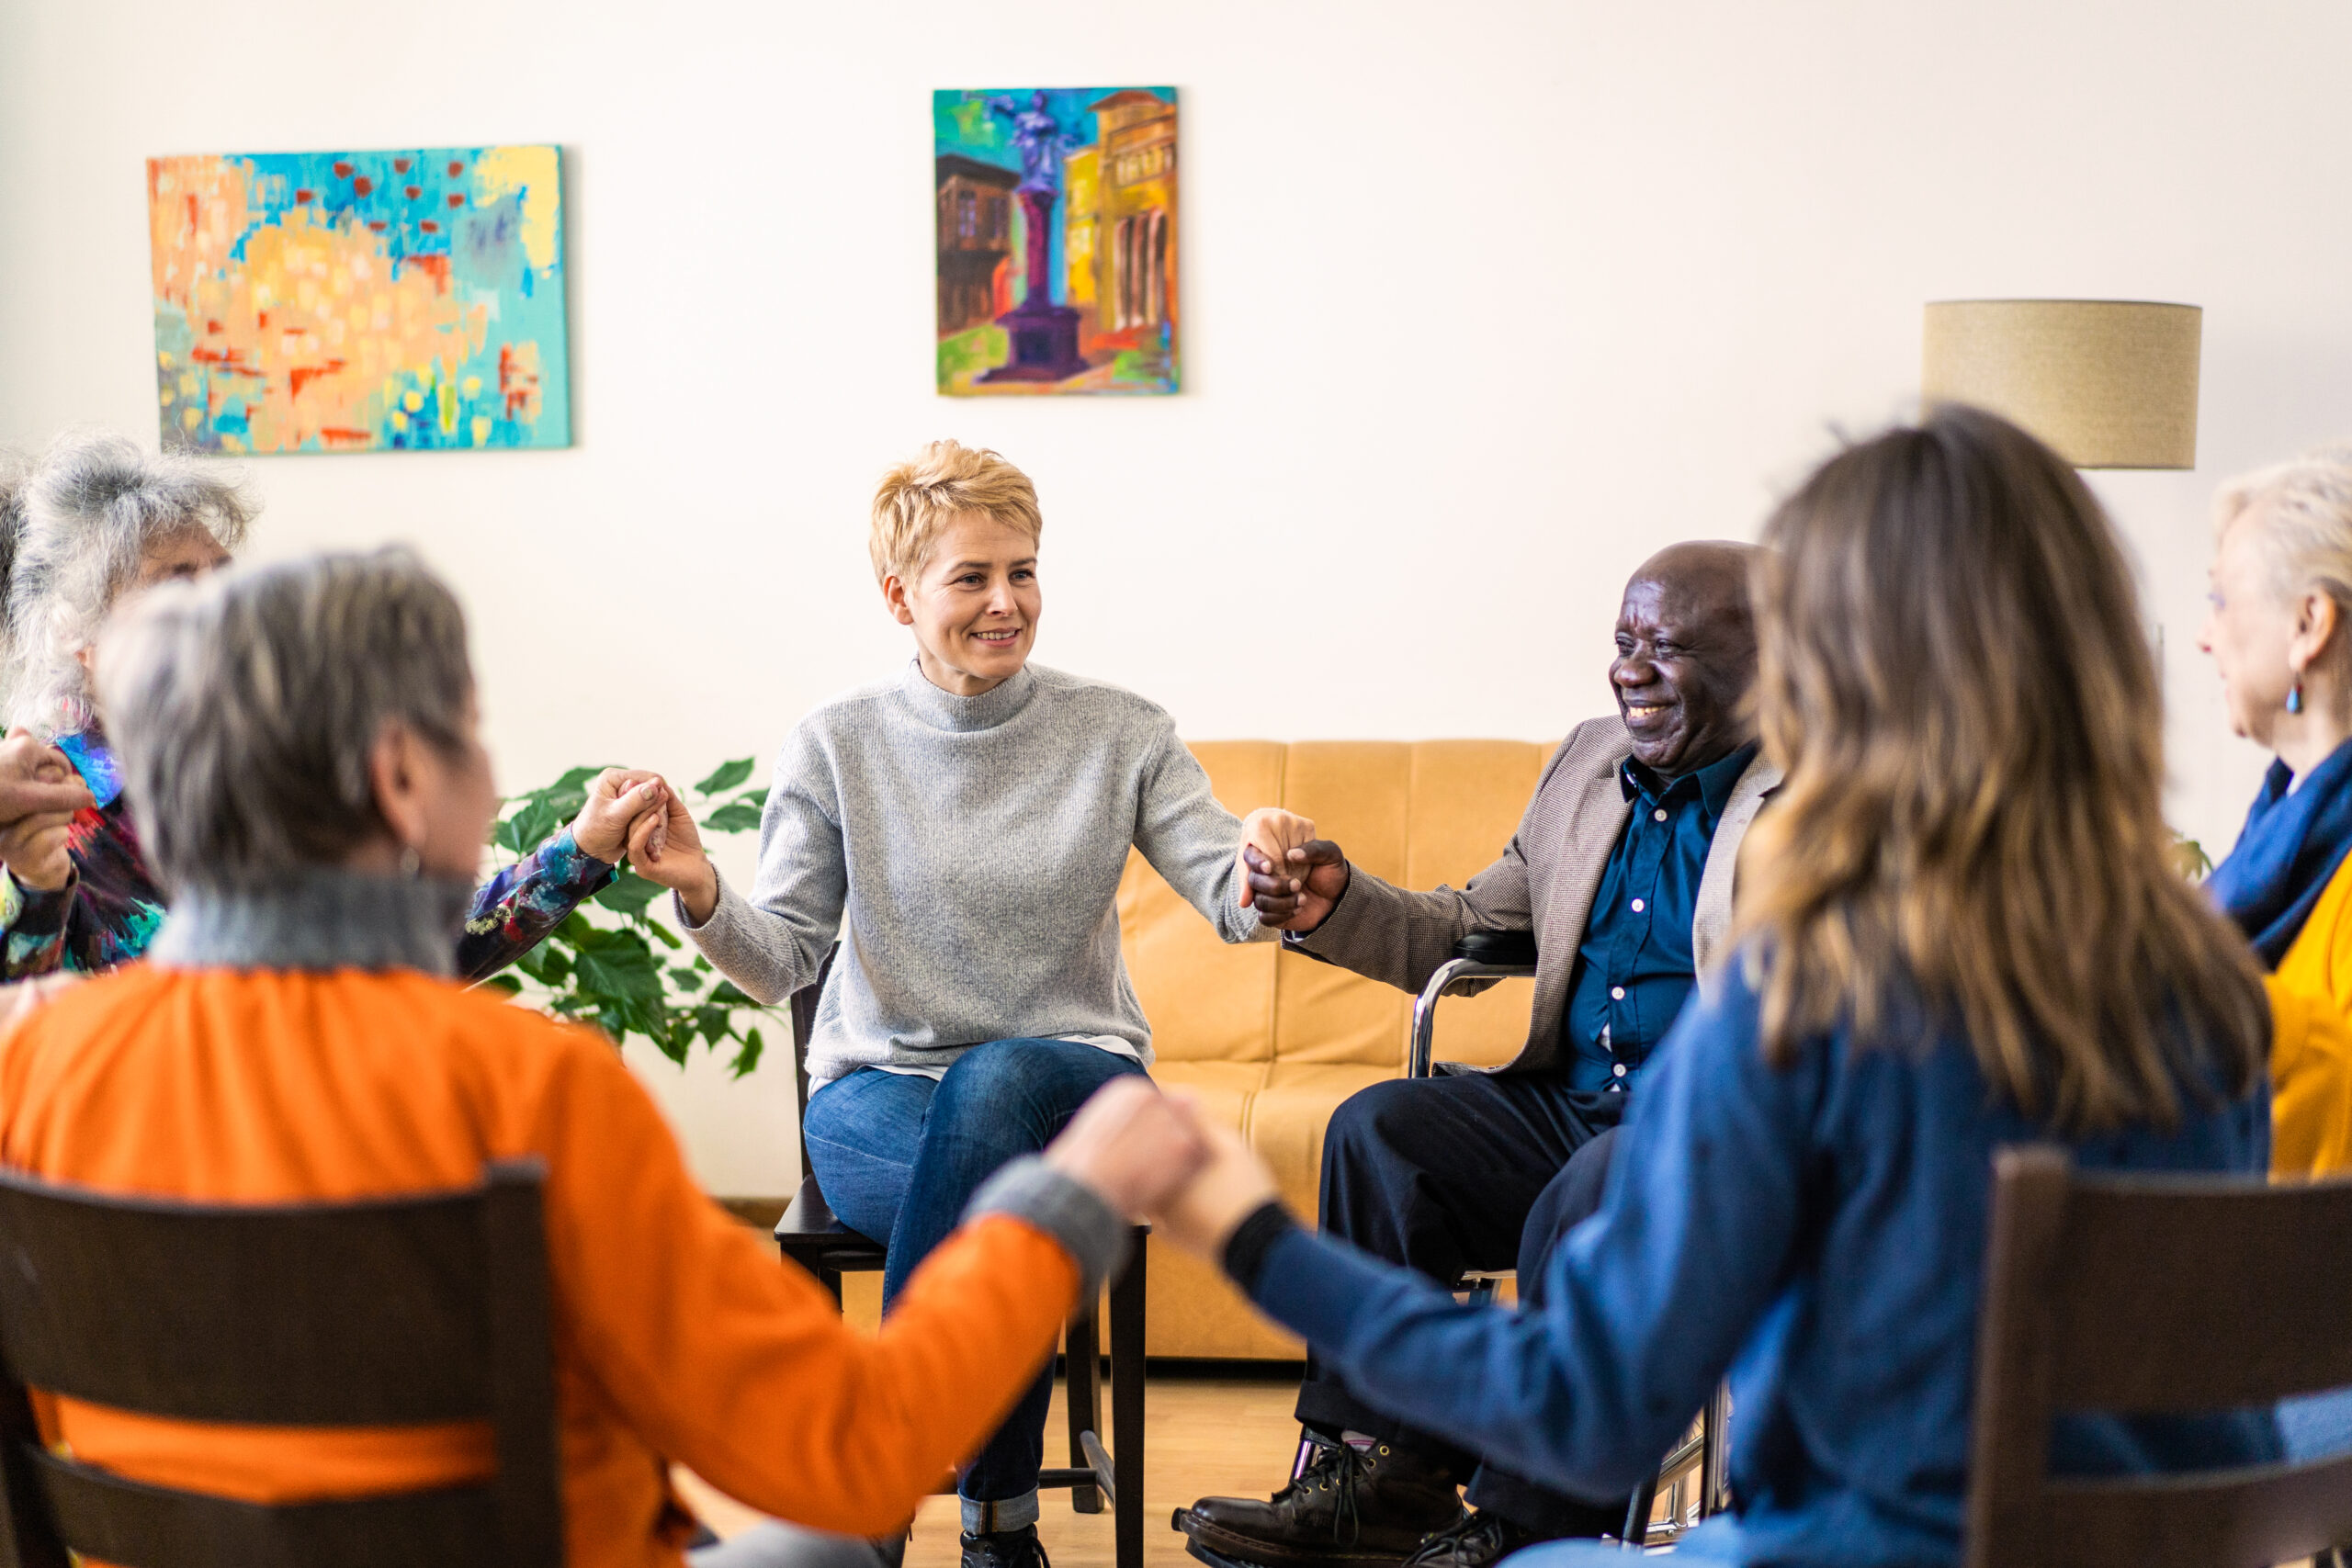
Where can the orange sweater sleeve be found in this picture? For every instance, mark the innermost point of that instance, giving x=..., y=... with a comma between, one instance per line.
x=730, y=1360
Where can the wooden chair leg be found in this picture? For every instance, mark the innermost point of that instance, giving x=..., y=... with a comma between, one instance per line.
x=1126, y=1410
x=1080, y=1371
x=832, y=1279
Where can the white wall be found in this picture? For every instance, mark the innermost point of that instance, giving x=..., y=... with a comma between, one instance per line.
x=1483, y=302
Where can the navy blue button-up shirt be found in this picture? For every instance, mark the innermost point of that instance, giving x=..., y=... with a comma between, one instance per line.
x=1635, y=968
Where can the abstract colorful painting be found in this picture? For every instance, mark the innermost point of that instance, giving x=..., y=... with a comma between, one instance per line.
x=360, y=301
x=1057, y=211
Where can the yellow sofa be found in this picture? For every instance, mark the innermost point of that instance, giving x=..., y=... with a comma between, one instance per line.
x=1272, y=1043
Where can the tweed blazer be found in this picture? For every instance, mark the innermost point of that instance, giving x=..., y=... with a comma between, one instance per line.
x=1544, y=882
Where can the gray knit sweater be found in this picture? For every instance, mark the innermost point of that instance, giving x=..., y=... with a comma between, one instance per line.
x=966, y=852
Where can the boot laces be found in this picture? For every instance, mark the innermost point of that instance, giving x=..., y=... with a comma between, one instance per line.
x=1474, y=1537
x=1337, y=1467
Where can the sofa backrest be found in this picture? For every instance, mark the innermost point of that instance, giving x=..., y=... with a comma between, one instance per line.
x=1416, y=813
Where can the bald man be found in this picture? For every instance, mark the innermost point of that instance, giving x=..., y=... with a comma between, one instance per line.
x=1622, y=868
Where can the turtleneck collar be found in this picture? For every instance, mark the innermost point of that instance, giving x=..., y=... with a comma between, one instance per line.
x=323, y=919
x=944, y=710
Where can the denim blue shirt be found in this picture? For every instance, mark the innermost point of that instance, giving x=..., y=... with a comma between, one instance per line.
x=1635, y=969
x=1816, y=1231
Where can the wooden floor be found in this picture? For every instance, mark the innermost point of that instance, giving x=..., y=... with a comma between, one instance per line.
x=1200, y=1437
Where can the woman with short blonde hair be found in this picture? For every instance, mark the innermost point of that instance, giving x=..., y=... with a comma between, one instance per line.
x=960, y=830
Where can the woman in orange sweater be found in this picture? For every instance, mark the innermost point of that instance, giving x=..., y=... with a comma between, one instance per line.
x=300, y=747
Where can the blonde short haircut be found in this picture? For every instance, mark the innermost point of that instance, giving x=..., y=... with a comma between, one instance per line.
x=919, y=498
x=2302, y=509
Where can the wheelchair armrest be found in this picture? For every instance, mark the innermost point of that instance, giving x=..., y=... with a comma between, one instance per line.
x=1516, y=949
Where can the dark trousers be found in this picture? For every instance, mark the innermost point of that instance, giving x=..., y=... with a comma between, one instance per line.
x=1446, y=1175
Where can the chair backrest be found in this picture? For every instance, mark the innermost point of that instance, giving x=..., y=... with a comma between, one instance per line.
x=384, y=1314
x=803, y=1023
x=2154, y=1294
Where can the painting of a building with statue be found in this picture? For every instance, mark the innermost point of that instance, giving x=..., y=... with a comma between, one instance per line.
x=1056, y=214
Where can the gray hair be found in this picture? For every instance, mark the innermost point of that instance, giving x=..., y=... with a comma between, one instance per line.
x=73, y=528
x=2302, y=509
x=243, y=709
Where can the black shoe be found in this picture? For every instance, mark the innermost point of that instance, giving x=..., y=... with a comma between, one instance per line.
x=1006, y=1549
x=1349, y=1510
x=1480, y=1538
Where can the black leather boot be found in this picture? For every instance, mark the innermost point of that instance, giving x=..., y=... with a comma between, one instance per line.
x=1349, y=1510
x=1480, y=1538
x=1005, y=1548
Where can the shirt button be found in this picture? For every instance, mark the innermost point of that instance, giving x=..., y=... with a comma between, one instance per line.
x=1637, y=906
x=1619, y=1069
x=1659, y=814
x=1616, y=993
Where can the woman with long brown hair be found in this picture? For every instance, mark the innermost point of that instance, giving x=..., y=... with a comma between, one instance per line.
x=1961, y=930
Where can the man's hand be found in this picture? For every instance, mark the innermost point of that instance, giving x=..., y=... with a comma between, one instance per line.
x=1132, y=1145
x=617, y=801
x=39, y=794
x=1297, y=894
x=666, y=847
x=1272, y=834
x=1202, y=1214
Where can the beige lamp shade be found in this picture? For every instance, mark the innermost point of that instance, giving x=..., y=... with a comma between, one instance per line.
x=2107, y=383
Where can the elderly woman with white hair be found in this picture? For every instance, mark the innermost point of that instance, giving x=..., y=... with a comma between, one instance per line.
x=2279, y=631
x=96, y=520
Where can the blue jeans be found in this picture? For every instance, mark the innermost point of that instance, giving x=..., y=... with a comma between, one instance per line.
x=897, y=1158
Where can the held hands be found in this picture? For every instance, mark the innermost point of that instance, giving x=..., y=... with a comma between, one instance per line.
x=1296, y=892
x=666, y=847
x=617, y=801
x=1270, y=834
x=39, y=794
x=1153, y=1155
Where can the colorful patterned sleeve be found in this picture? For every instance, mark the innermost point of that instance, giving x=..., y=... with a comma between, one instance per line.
x=516, y=909
x=35, y=924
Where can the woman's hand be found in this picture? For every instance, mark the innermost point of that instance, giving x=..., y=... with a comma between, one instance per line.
x=617, y=801
x=1132, y=1144
x=39, y=794
x=666, y=847
x=1232, y=1184
x=1273, y=833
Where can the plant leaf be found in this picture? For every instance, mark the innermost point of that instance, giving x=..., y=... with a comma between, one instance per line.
x=631, y=892
x=727, y=994
x=732, y=818
x=729, y=775
x=669, y=937
x=747, y=1056
x=504, y=983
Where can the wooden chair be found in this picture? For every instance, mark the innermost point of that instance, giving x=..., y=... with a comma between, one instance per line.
x=1479, y=959
x=389, y=1313
x=810, y=1236
x=2154, y=1294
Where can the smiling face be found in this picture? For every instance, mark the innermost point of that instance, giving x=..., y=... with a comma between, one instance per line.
x=2248, y=625
x=974, y=604
x=1686, y=657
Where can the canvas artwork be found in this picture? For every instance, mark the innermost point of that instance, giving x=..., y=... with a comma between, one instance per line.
x=1057, y=212
x=402, y=300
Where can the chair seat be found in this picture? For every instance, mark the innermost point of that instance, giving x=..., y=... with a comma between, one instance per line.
x=810, y=1233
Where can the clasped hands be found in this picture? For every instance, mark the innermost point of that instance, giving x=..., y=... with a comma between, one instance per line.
x=1153, y=1155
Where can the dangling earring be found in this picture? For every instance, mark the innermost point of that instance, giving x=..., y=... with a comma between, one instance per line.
x=2295, y=696
x=412, y=864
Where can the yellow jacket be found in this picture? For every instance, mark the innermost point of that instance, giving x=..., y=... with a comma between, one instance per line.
x=2311, y=1045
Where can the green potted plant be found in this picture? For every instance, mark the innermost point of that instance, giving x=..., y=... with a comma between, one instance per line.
x=611, y=964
